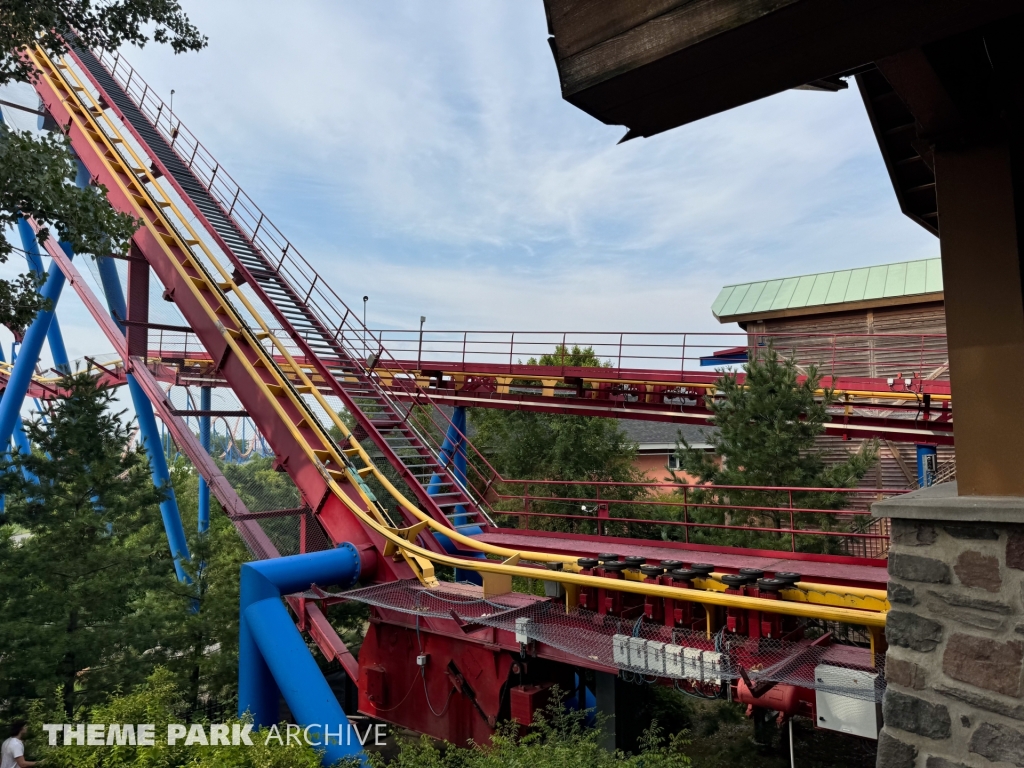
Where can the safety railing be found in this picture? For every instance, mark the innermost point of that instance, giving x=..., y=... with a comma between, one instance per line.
x=897, y=356
x=793, y=518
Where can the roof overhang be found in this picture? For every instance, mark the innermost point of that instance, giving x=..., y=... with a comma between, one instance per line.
x=655, y=65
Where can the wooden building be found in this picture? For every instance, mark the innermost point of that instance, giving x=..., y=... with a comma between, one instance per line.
x=886, y=321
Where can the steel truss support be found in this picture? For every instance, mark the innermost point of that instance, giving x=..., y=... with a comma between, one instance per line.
x=147, y=426
x=205, y=404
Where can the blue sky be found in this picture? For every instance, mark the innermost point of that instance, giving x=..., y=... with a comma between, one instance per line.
x=421, y=153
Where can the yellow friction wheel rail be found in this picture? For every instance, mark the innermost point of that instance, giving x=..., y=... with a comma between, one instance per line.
x=152, y=206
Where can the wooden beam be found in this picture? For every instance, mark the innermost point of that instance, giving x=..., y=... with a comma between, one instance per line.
x=979, y=199
x=895, y=451
x=691, y=60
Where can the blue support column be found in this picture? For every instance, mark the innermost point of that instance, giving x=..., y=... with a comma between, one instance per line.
x=147, y=426
x=32, y=343
x=21, y=442
x=35, y=264
x=28, y=356
x=205, y=404
x=453, y=452
x=274, y=660
x=927, y=463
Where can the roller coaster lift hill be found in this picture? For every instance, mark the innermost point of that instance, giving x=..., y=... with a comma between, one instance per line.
x=386, y=503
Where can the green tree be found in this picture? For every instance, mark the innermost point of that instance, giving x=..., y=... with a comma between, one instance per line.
x=73, y=589
x=767, y=429
x=538, y=446
x=37, y=174
x=160, y=701
x=558, y=738
x=195, y=625
x=576, y=357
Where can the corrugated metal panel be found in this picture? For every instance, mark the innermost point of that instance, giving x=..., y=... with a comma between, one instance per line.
x=785, y=294
x=876, y=282
x=858, y=284
x=803, y=291
x=933, y=282
x=734, y=299
x=723, y=297
x=837, y=290
x=910, y=278
x=917, y=272
x=746, y=306
x=771, y=290
x=895, y=280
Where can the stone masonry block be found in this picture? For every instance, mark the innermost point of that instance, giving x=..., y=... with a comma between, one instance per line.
x=977, y=570
x=972, y=532
x=914, y=715
x=941, y=762
x=1015, y=548
x=998, y=742
x=908, y=533
x=970, y=601
x=984, y=663
x=908, y=630
x=981, y=700
x=917, y=568
x=901, y=594
x=905, y=673
x=893, y=753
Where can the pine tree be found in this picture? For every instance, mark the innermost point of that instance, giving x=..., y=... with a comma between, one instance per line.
x=767, y=430
x=194, y=624
x=73, y=586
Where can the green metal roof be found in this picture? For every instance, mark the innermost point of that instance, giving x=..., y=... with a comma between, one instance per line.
x=826, y=289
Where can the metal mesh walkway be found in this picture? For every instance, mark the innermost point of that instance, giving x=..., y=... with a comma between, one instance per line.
x=637, y=647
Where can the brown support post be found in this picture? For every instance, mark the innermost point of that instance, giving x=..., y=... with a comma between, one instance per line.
x=138, y=304
x=984, y=315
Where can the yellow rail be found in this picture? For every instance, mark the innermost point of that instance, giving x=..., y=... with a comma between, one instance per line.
x=336, y=465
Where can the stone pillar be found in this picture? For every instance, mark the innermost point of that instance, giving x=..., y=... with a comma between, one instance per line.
x=955, y=631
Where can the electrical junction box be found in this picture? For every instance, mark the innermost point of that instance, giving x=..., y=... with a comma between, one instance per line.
x=638, y=652
x=673, y=661
x=705, y=666
x=712, y=666
x=620, y=650
x=656, y=658
x=861, y=717
x=522, y=627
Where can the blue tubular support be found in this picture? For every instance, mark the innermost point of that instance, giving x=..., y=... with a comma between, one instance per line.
x=28, y=356
x=35, y=264
x=147, y=426
x=205, y=404
x=453, y=452
x=273, y=659
x=21, y=442
x=32, y=343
